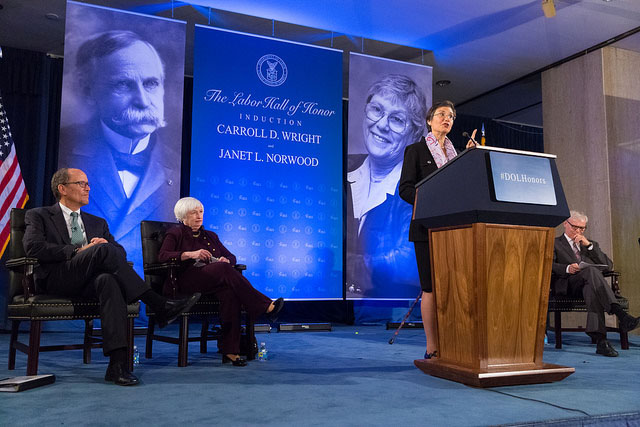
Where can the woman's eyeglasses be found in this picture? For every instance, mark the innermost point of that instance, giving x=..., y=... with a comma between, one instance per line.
x=397, y=122
x=442, y=115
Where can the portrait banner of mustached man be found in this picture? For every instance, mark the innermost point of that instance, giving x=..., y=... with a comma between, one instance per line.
x=388, y=102
x=121, y=119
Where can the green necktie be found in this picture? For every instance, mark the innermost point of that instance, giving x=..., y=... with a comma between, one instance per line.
x=76, y=232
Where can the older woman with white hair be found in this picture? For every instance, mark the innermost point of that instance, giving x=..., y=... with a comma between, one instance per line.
x=208, y=267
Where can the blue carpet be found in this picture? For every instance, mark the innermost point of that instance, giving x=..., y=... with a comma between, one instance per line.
x=348, y=377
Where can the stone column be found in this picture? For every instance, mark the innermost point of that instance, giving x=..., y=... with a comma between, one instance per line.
x=591, y=119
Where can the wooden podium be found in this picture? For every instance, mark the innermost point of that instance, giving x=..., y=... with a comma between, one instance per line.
x=491, y=214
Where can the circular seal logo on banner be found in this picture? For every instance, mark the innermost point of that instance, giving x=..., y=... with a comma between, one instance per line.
x=271, y=70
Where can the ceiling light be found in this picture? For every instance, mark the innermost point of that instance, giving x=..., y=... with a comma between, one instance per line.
x=549, y=8
x=443, y=83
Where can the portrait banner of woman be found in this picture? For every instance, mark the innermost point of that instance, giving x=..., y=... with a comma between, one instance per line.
x=388, y=102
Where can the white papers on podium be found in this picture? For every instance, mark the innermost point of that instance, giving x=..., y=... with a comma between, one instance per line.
x=584, y=265
x=16, y=384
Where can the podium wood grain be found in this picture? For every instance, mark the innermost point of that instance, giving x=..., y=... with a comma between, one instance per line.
x=491, y=286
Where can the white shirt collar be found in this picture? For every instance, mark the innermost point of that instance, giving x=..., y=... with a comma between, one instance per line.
x=367, y=195
x=570, y=240
x=66, y=213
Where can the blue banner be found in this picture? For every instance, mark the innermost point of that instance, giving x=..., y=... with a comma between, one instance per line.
x=266, y=158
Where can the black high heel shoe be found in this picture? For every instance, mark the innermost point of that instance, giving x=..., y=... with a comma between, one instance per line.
x=237, y=362
x=277, y=306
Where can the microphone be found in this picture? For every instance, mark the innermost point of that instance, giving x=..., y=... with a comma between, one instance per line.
x=466, y=135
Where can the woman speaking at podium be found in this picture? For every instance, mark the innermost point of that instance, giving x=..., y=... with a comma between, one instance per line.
x=420, y=160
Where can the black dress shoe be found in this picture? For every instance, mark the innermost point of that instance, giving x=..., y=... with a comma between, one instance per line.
x=117, y=373
x=431, y=355
x=277, y=307
x=605, y=348
x=629, y=323
x=239, y=361
x=174, y=307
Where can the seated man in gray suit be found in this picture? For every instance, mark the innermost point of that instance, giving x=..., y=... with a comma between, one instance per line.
x=78, y=256
x=568, y=277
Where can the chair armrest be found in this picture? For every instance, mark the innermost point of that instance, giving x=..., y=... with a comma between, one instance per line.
x=240, y=267
x=615, y=282
x=25, y=266
x=168, y=268
x=16, y=263
x=161, y=267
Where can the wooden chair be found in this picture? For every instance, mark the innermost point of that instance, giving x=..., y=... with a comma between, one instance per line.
x=564, y=303
x=155, y=273
x=26, y=305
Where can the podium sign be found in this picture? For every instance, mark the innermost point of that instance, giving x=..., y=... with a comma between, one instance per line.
x=491, y=255
x=522, y=179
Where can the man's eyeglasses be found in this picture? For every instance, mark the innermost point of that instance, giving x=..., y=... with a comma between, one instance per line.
x=81, y=184
x=442, y=115
x=577, y=227
x=397, y=122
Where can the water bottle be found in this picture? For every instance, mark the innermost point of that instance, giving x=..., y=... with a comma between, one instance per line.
x=263, y=353
x=136, y=356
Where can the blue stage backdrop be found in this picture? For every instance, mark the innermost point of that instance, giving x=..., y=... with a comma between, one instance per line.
x=266, y=158
x=121, y=120
x=388, y=101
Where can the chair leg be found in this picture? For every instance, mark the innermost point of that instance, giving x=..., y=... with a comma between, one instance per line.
x=624, y=340
x=204, y=334
x=34, y=347
x=251, y=336
x=88, y=340
x=557, y=325
x=15, y=327
x=151, y=327
x=130, y=343
x=183, y=338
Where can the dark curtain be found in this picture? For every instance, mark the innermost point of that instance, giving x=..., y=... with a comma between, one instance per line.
x=185, y=166
x=31, y=84
x=53, y=128
x=25, y=80
x=498, y=134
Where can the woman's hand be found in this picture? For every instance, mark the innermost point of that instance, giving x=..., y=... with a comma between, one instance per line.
x=200, y=254
x=224, y=259
x=471, y=143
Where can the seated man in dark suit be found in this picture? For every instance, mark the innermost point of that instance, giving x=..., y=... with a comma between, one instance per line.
x=569, y=278
x=78, y=256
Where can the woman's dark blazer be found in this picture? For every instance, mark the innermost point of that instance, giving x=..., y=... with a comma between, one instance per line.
x=180, y=239
x=418, y=164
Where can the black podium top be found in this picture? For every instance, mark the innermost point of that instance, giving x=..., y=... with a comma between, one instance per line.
x=493, y=185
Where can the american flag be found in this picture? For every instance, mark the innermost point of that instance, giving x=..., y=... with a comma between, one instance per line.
x=13, y=194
